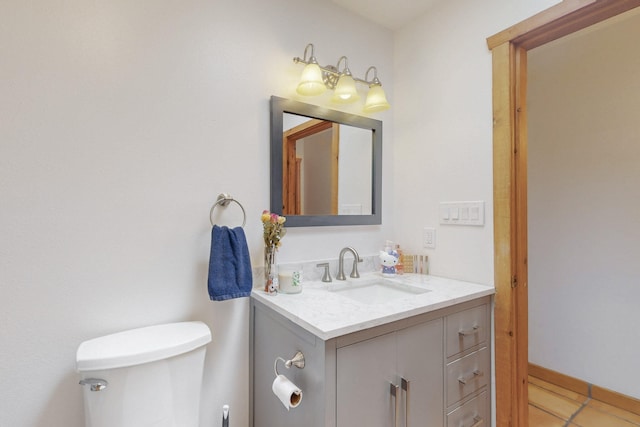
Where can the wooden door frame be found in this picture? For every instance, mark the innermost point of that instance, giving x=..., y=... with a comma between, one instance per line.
x=509, y=51
x=291, y=191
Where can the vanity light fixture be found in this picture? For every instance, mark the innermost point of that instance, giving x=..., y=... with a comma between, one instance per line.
x=316, y=79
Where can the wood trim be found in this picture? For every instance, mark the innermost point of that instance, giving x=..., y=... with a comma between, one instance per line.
x=564, y=18
x=307, y=128
x=298, y=184
x=535, y=22
x=584, y=388
x=509, y=49
x=616, y=399
x=510, y=234
x=335, y=159
x=504, y=237
x=561, y=380
x=521, y=237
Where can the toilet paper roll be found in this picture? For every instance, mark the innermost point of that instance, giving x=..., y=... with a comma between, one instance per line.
x=288, y=393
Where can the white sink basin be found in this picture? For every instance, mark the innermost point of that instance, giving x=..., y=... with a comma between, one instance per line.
x=377, y=291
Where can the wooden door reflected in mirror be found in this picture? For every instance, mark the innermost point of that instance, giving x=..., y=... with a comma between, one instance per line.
x=310, y=155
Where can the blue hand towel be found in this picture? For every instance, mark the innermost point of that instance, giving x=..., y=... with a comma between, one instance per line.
x=229, y=264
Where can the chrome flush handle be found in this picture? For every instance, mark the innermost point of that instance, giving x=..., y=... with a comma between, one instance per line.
x=96, y=384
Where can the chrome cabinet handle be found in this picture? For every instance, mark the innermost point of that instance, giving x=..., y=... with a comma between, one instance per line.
x=468, y=332
x=475, y=374
x=395, y=392
x=477, y=421
x=406, y=386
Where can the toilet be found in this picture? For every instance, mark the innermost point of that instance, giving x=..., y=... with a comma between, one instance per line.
x=143, y=377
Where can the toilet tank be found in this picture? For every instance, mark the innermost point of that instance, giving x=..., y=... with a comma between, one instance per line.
x=144, y=377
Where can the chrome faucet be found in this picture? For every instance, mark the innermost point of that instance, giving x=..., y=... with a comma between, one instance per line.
x=356, y=259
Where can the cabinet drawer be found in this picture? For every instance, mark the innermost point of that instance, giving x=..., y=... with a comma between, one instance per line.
x=467, y=375
x=466, y=329
x=474, y=413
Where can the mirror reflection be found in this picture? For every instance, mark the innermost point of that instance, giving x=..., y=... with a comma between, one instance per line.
x=326, y=165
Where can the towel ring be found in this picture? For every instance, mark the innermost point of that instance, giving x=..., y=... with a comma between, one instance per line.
x=223, y=200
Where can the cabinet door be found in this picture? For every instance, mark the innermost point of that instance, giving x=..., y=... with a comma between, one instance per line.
x=420, y=362
x=365, y=371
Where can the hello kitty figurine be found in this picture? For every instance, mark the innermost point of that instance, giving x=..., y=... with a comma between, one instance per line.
x=388, y=260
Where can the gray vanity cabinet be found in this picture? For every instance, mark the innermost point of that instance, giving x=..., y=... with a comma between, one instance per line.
x=365, y=370
x=443, y=355
x=371, y=391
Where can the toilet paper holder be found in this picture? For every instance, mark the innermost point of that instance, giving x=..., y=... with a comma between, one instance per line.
x=297, y=361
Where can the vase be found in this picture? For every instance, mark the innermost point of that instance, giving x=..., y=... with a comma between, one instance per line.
x=270, y=270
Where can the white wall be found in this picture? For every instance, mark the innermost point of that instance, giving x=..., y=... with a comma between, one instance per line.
x=443, y=128
x=120, y=123
x=584, y=205
x=355, y=160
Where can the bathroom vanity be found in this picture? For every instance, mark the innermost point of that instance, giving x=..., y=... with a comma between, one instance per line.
x=418, y=356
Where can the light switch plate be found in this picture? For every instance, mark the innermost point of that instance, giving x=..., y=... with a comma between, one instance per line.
x=462, y=213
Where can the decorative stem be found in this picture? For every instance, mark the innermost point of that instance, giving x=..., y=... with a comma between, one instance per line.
x=270, y=270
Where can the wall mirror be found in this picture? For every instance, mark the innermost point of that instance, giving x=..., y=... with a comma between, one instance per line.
x=326, y=165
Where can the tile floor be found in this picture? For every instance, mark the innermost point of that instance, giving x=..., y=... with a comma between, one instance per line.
x=552, y=406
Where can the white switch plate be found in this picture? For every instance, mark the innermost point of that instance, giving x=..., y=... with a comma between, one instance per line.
x=429, y=237
x=462, y=213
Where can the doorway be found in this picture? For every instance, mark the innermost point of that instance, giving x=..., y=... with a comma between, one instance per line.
x=509, y=51
x=318, y=140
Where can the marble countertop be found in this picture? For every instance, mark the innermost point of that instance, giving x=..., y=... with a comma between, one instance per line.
x=328, y=314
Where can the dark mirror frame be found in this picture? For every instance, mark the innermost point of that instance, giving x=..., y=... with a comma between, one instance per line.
x=279, y=106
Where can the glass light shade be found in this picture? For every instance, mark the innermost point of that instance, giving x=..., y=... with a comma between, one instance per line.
x=311, y=83
x=376, y=100
x=345, y=91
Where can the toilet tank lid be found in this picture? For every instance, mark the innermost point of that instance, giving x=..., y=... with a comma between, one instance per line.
x=142, y=345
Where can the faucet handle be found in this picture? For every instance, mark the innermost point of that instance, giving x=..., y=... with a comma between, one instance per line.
x=326, y=277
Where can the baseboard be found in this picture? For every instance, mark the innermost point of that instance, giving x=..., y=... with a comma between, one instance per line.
x=593, y=391
x=562, y=380
x=616, y=399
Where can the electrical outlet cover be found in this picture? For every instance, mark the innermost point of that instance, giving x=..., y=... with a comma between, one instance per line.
x=429, y=237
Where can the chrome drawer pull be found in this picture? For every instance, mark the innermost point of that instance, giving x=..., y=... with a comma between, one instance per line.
x=477, y=421
x=468, y=332
x=473, y=376
x=406, y=387
x=395, y=392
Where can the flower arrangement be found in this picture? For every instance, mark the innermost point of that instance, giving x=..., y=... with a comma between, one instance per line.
x=274, y=230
